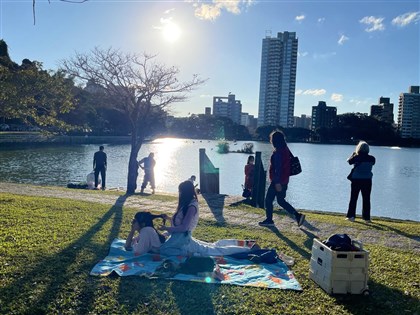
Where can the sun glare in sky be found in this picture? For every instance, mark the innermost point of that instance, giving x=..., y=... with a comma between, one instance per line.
x=171, y=32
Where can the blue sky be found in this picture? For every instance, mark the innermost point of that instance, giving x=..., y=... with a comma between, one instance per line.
x=350, y=52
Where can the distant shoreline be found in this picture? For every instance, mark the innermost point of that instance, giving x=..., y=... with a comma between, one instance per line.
x=13, y=139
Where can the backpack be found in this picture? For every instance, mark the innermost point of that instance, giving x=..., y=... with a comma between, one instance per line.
x=196, y=264
x=340, y=242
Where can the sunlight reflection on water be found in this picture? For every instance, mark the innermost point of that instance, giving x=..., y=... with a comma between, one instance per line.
x=321, y=186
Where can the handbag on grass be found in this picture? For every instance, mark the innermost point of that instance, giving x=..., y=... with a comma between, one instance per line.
x=295, y=167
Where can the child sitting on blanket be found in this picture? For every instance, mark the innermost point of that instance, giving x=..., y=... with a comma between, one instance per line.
x=148, y=239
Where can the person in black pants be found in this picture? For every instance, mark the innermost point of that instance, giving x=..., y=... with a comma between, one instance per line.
x=361, y=180
x=279, y=176
x=99, y=166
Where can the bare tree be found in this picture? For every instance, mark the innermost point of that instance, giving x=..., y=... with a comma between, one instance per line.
x=135, y=85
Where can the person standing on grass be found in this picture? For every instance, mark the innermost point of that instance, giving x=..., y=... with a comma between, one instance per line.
x=361, y=180
x=149, y=172
x=99, y=166
x=249, y=174
x=279, y=176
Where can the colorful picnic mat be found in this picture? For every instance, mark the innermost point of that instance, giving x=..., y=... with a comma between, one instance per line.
x=234, y=271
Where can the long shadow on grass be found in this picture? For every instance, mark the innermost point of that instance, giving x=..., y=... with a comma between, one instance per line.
x=381, y=300
x=290, y=243
x=216, y=203
x=384, y=227
x=52, y=274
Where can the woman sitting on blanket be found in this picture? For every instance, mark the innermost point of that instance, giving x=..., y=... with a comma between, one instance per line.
x=148, y=239
x=183, y=223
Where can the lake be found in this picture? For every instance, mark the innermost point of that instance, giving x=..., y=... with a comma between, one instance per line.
x=322, y=185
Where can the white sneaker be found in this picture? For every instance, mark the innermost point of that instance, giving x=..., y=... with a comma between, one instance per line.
x=350, y=219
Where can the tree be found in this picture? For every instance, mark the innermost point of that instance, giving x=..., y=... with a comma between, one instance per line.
x=135, y=85
x=31, y=94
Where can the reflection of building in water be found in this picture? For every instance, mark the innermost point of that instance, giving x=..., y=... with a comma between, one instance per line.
x=384, y=110
x=409, y=113
x=323, y=116
x=227, y=107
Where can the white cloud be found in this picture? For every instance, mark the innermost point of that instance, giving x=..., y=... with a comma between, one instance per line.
x=325, y=55
x=315, y=92
x=337, y=97
x=374, y=23
x=300, y=18
x=406, y=18
x=298, y=92
x=211, y=11
x=342, y=39
x=321, y=20
x=205, y=96
x=168, y=11
x=302, y=54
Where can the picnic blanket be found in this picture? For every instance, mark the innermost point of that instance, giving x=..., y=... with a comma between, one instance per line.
x=233, y=271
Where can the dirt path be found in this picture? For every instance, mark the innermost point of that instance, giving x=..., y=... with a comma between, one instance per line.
x=217, y=208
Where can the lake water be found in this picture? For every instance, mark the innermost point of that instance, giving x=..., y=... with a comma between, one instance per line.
x=321, y=186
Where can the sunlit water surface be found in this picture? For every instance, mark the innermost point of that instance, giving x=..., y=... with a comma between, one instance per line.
x=321, y=186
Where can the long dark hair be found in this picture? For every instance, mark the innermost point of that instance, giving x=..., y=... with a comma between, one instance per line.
x=186, y=194
x=278, y=139
x=145, y=218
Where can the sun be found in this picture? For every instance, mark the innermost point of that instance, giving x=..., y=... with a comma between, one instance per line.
x=171, y=32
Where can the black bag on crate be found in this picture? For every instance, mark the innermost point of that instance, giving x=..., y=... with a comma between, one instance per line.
x=340, y=242
x=295, y=167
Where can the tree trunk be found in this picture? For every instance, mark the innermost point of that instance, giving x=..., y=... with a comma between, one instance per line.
x=133, y=166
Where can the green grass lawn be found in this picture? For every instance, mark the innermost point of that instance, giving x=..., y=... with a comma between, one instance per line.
x=48, y=247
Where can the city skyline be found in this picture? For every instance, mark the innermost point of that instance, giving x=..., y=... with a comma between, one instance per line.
x=350, y=53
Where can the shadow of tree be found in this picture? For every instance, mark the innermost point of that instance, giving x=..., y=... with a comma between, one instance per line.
x=51, y=273
x=382, y=299
x=216, y=203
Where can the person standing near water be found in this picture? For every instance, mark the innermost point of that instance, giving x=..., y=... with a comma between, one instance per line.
x=279, y=176
x=149, y=172
x=361, y=180
x=99, y=166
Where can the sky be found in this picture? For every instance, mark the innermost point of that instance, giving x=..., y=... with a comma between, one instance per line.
x=350, y=53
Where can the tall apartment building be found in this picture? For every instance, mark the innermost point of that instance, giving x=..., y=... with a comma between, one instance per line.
x=278, y=80
x=323, y=116
x=227, y=107
x=409, y=113
x=384, y=110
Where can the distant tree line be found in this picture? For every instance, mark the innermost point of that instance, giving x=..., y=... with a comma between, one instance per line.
x=51, y=100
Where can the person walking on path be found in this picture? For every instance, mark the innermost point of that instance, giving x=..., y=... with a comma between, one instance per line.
x=149, y=172
x=361, y=180
x=279, y=176
x=99, y=166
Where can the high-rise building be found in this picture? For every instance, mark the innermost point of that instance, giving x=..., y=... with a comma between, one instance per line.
x=384, y=110
x=323, y=116
x=231, y=108
x=278, y=80
x=409, y=113
x=207, y=111
x=302, y=122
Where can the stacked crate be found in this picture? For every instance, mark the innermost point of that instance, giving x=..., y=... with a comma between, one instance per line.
x=339, y=272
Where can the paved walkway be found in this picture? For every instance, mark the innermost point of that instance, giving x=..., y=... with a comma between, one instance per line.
x=217, y=208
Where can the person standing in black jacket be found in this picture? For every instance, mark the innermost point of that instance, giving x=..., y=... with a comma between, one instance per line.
x=361, y=180
x=99, y=166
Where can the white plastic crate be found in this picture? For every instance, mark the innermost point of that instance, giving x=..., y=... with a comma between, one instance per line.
x=339, y=272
